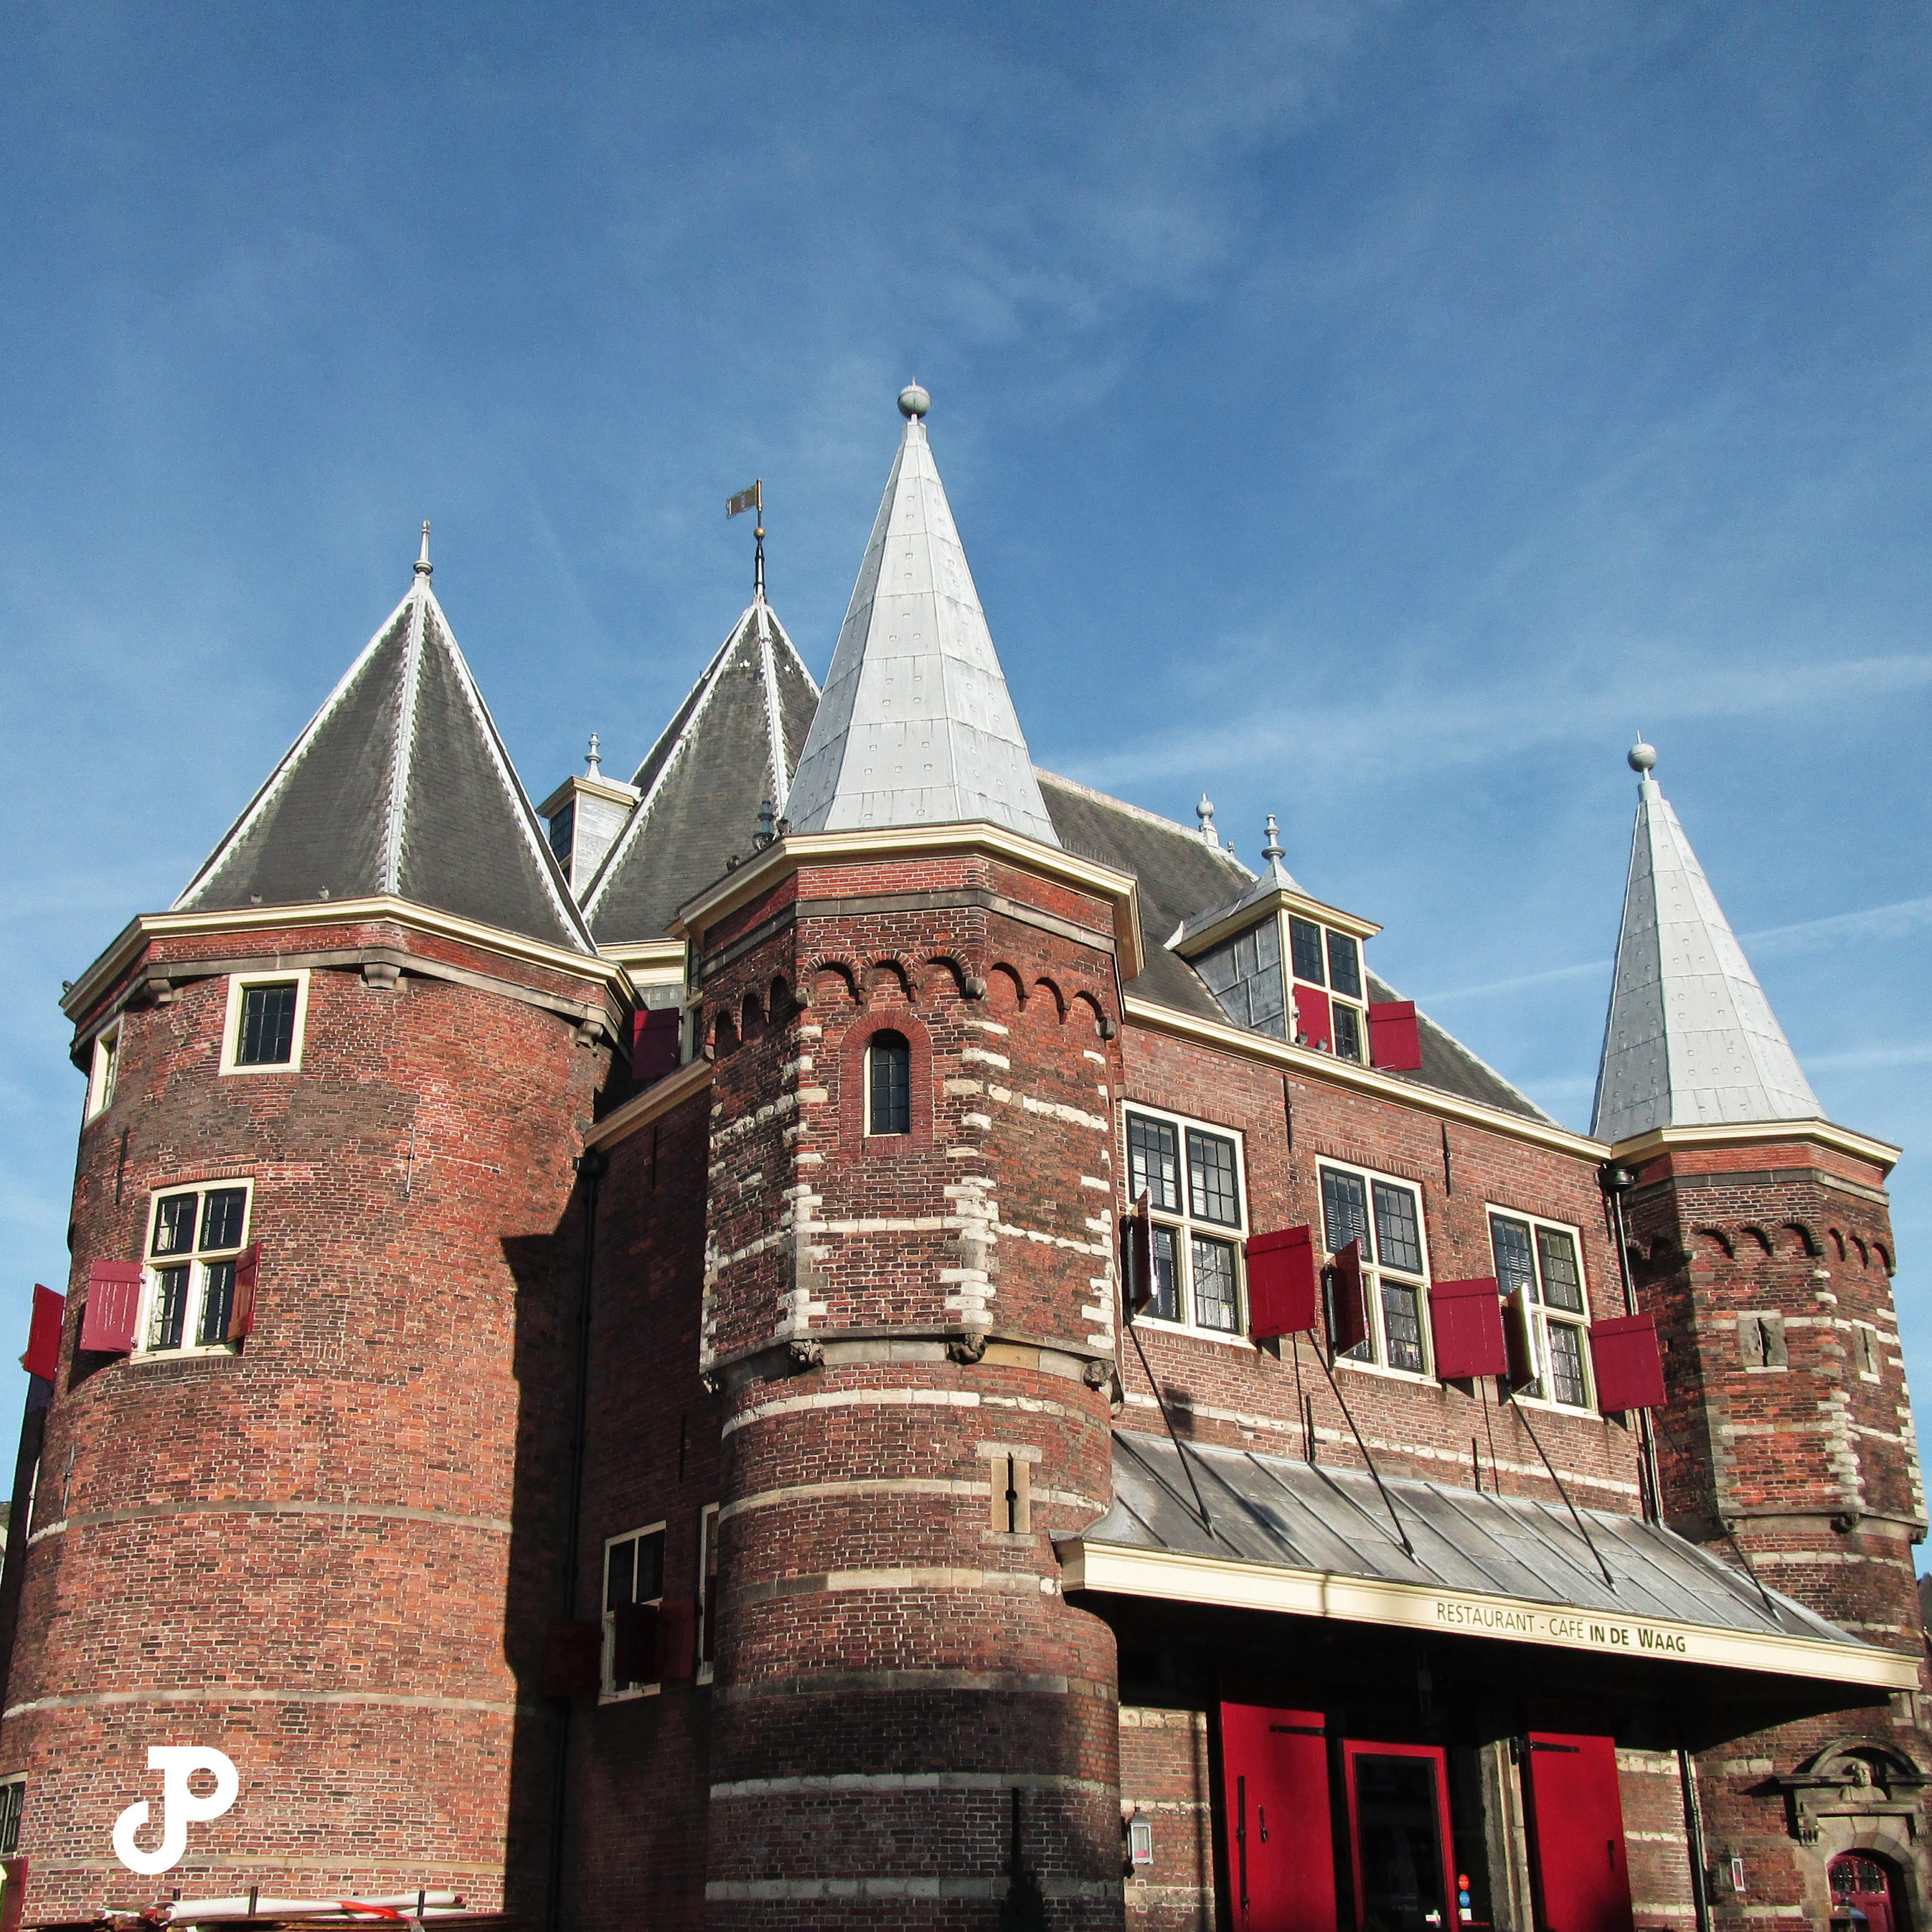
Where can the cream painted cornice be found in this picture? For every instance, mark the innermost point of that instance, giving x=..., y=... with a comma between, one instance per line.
x=653, y=1103
x=800, y=851
x=1213, y=1579
x=652, y=958
x=1758, y=1134
x=1314, y=1065
x=1239, y=918
x=151, y=926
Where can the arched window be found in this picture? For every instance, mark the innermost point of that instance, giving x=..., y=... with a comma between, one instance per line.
x=888, y=1085
x=1863, y=1898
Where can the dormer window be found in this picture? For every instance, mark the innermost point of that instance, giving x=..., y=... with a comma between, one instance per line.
x=563, y=835
x=1245, y=975
x=1329, y=1010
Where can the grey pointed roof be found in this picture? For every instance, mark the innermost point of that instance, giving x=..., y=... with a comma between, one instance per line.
x=400, y=784
x=1690, y=1040
x=734, y=742
x=916, y=726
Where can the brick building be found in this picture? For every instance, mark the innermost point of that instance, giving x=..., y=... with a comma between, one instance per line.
x=852, y=1332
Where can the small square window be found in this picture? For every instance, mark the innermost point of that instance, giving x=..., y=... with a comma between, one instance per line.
x=1347, y=1023
x=267, y=1015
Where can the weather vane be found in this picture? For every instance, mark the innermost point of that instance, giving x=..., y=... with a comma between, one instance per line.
x=753, y=499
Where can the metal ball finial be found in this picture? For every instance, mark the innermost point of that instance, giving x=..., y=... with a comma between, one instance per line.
x=1642, y=758
x=913, y=401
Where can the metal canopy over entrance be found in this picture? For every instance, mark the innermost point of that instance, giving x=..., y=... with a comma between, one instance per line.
x=1301, y=1540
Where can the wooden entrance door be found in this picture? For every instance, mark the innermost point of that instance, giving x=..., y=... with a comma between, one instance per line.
x=1399, y=1836
x=1276, y=1820
x=1862, y=1895
x=1583, y=1876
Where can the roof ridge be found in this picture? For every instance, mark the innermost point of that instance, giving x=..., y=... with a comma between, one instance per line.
x=398, y=812
x=1193, y=835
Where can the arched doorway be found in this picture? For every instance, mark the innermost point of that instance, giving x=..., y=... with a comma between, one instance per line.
x=1864, y=1895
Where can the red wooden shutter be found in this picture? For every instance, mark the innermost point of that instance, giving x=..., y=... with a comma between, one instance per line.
x=635, y=1644
x=1312, y=1015
x=1467, y=1319
x=573, y=1658
x=1284, y=1284
x=1348, y=1304
x=1628, y=1363
x=13, y=1892
x=1274, y=1798
x=1577, y=1819
x=653, y=1043
x=43, y=1355
x=1395, y=1040
x=241, y=1311
x=1519, y=1335
x=113, y=1307
x=677, y=1639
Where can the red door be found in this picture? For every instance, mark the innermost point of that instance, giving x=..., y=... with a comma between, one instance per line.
x=1862, y=1885
x=1583, y=1876
x=1275, y=1802
x=1399, y=1836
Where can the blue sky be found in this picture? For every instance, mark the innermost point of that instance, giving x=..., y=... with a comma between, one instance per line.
x=1374, y=414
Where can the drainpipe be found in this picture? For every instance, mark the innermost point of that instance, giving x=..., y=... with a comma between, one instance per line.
x=1693, y=1839
x=591, y=1169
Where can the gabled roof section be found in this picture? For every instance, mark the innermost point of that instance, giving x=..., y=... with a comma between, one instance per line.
x=1690, y=1039
x=1181, y=878
x=400, y=785
x=734, y=742
x=916, y=726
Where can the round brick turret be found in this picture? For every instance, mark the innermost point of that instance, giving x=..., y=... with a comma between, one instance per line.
x=305, y=1551
x=915, y=1334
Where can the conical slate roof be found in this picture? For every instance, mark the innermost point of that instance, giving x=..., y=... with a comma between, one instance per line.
x=733, y=744
x=916, y=727
x=399, y=785
x=1691, y=1040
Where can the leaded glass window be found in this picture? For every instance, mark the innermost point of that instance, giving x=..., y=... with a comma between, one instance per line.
x=1197, y=1273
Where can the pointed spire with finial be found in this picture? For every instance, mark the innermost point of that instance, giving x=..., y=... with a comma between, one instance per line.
x=1690, y=1040
x=593, y=760
x=1273, y=851
x=423, y=566
x=1205, y=813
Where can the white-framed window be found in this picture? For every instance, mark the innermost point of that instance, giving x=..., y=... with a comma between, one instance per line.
x=102, y=1071
x=267, y=1013
x=13, y=1797
x=1543, y=1261
x=196, y=1236
x=1384, y=1215
x=633, y=1579
x=707, y=1592
x=1320, y=957
x=1192, y=1175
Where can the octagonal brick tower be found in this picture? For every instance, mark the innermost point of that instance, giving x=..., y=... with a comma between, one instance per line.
x=912, y=1312
x=303, y=1545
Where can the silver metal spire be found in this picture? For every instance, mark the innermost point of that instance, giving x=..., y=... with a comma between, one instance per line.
x=917, y=726
x=593, y=762
x=1205, y=813
x=1690, y=1039
x=1274, y=849
x=423, y=566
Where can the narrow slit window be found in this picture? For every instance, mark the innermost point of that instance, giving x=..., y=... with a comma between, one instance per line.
x=889, y=1084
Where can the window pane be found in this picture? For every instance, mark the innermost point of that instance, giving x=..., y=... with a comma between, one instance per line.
x=1401, y=1322
x=1396, y=1227
x=10, y=1795
x=174, y=1225
x=1348, y=1031
x=1210, y=1178
x=1345, y=965
x=171, y=1308
x=1305, y=949
x=650, y=1567
x=217, y=1302
x=1153, y=1160
x=1566, y=1364
x=268, y=1026
x=621, y=1574
x=1166, y=1304
x=1510, y=1242
x=1344, y=1212
x=1562, y=1282
x=1245, y=975
x=222, y=1212
x=890, y=1105
x=1213, y=1263
x=563, y=833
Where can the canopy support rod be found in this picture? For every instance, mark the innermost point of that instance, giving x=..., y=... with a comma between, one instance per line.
x=1402, y=1534
x=1576, y=1515
x=1160, y=1403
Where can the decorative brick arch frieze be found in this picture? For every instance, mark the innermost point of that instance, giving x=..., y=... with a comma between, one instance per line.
x=852, y=1135
x=844, y=965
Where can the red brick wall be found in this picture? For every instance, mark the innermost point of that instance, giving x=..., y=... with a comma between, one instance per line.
x=323, y=1557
